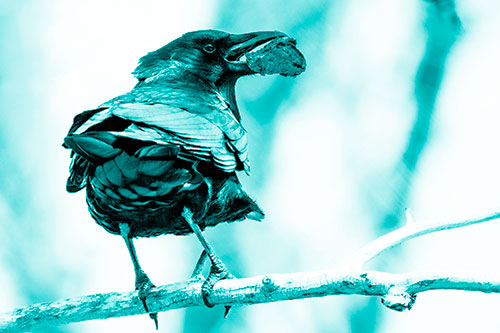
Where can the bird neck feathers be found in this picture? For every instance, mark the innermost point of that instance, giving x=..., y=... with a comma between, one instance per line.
x=173, y=85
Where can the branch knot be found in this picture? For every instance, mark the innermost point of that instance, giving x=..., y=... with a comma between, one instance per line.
x=398, y=299
x=268, y=285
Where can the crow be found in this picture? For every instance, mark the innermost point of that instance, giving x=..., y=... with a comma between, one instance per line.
x=162, y=158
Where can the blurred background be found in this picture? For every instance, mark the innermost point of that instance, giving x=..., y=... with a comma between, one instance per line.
x=399, y=107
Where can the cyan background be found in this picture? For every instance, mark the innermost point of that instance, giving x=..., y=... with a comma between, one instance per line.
x=327, y=152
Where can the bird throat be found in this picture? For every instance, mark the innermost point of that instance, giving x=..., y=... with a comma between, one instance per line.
x=226, y=88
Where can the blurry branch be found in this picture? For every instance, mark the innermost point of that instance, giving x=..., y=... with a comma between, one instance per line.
x=409, y=231
x=442, y=26
x=398, y=291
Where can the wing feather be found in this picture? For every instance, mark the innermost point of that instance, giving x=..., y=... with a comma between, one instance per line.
x=212, y=136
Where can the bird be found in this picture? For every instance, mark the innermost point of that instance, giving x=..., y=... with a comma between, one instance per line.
x=164, y=157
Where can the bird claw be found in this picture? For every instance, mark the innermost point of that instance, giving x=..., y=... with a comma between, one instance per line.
x=217, y=272
x=144, y=285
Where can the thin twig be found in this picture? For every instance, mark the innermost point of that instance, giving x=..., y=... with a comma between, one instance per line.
x=409, y=231
x=398, y=292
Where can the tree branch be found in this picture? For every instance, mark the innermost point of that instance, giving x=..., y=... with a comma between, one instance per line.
x=398, y=292
x=409, y=231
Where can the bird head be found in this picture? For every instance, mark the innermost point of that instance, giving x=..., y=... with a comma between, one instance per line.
x=205, y=60
x=210, y=55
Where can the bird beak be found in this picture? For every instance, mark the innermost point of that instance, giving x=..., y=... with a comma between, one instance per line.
x=247, y=43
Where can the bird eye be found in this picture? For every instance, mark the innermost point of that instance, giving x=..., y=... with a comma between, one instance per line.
x=209, y=48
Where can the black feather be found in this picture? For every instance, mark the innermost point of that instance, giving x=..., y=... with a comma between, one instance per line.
x=82, y=118
x=79, y=170
x=112, y=123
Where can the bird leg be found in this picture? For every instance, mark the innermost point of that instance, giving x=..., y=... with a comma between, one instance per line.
x=197, y=274
x=218, y=271
x=142, y=282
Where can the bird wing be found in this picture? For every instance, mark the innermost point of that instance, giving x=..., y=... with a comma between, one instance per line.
x=212, y=136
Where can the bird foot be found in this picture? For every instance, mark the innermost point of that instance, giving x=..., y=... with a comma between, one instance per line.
x=217, y=272
x=144, y=285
